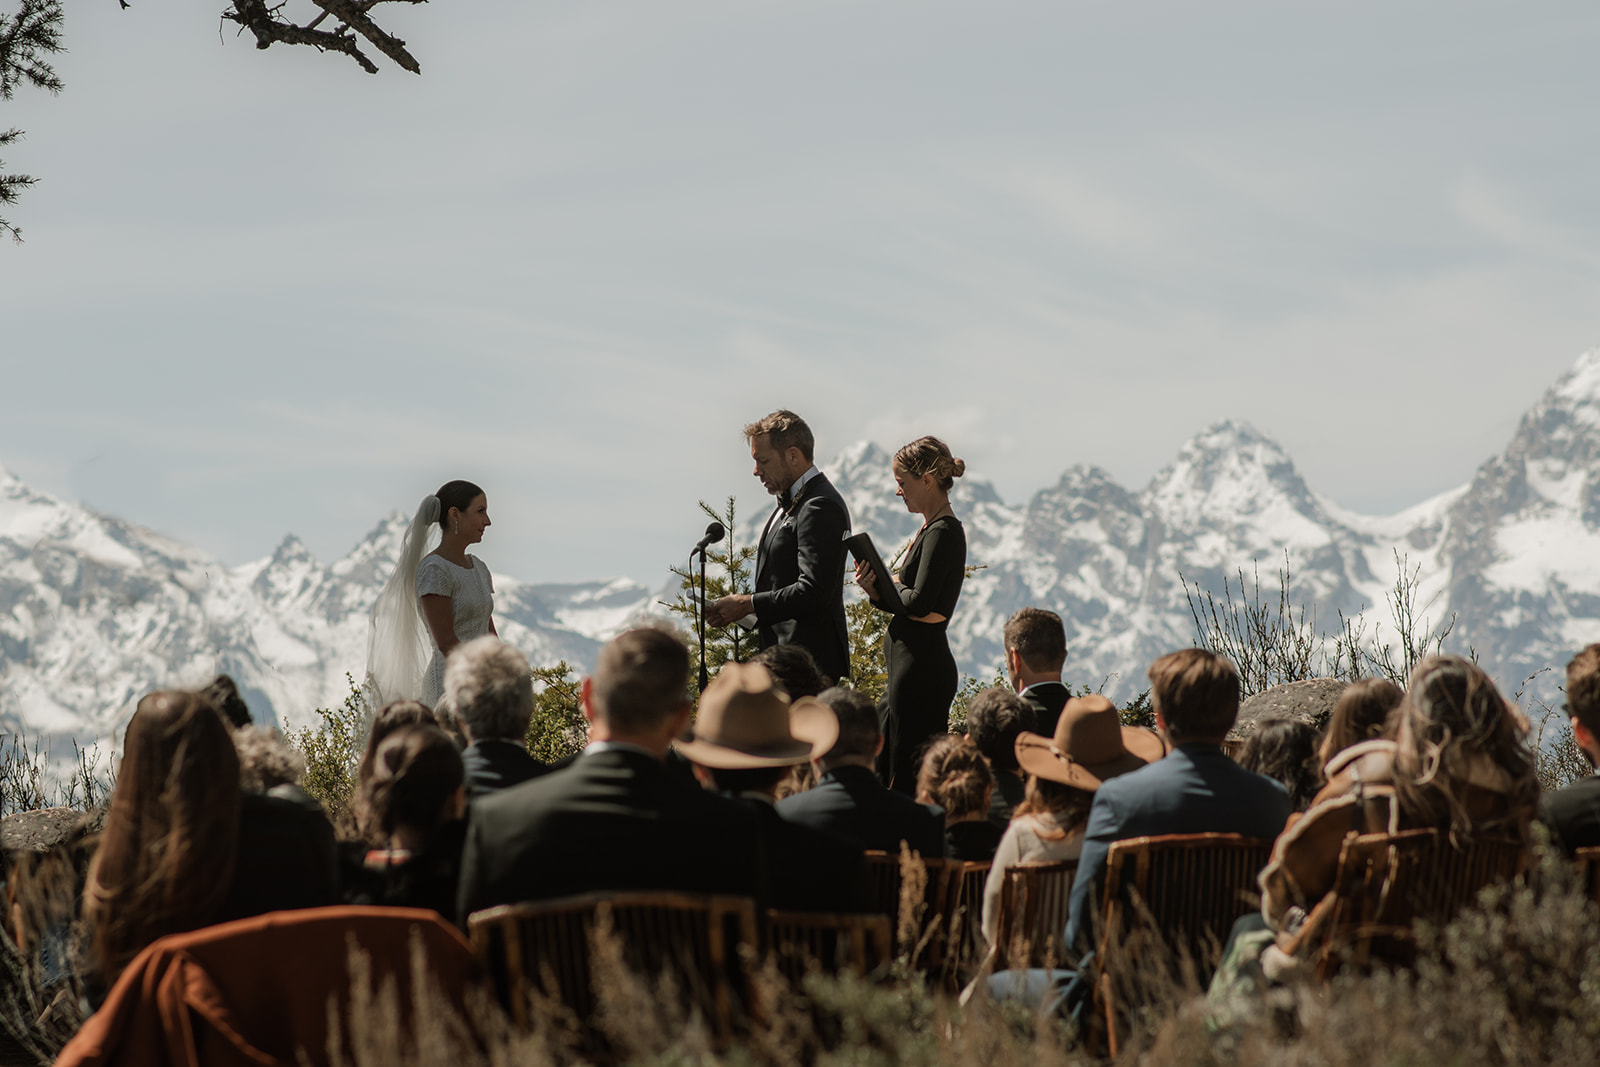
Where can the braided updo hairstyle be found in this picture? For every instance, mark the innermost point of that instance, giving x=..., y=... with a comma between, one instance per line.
x=956, y=777
x=929, y=455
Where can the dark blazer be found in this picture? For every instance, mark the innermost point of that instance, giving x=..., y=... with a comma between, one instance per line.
x=287, y=857
x=1196, y=789
x=495, y=763
x=614, y=819
x=850, y=802
x=1046, y=699
x=808, y=870
x=1573, y=814
x=1009, y=789
x=799, y=584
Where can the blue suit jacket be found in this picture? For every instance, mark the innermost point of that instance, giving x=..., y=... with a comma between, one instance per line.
x=1196, y=789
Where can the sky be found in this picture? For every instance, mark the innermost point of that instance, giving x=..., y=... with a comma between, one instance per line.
x=264, y=292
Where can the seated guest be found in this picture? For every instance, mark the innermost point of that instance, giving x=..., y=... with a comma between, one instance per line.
x=490, y=686
x=848, y=799
x=223, y=693
x=268, y=763
x=416, y=796
x=389, y=718
x=995, y=719
x=1195, y=789
x=794, y=668
x=747, y=734
x=1036, y=650
x=1457, y=763
x=1090, y=746
x=1573, y=813
x=616, y=817
x=1360, y=714
x=1285, y=750
x=955, y=777
x=167, y=855
x=287, y=854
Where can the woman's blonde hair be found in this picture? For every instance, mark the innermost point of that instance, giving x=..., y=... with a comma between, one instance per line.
x=929, y=455
x=1454, y=731
x=1066, y=804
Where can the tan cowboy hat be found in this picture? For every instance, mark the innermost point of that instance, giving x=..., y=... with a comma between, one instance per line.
x=1090, y=746
x=746, y=721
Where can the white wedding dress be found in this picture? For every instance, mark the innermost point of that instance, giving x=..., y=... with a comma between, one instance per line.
x=471, y=593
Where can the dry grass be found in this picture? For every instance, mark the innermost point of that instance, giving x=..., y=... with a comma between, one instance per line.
x=1516, y=981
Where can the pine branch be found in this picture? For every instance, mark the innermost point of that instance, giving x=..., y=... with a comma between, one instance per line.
x=33, y=32
x=270, y=27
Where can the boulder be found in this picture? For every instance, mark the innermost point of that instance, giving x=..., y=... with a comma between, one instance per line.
x=37, y=831
x=1310, y=701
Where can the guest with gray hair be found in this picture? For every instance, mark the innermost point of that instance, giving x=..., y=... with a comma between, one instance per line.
x=490, y=687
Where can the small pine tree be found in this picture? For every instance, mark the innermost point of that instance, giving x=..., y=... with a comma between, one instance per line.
x=730, y=569
x=558, y=728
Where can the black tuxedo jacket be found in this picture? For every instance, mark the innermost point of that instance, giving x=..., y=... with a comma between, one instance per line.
x=494, y=763
x=851, y=803
x=1046, y=699
x=613, y=819
x=808, y=870
x=800, y=566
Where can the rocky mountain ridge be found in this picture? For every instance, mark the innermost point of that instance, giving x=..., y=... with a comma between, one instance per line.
x=95, y=611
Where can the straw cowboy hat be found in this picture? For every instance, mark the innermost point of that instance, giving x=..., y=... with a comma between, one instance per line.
x=746, y=721
x=1090, y=746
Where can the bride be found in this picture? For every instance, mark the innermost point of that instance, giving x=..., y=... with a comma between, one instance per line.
x=432, y=602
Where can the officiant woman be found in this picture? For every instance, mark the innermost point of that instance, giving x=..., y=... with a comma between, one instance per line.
x=922, y=672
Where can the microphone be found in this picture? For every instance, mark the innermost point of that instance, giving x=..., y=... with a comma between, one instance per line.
x=714, y=533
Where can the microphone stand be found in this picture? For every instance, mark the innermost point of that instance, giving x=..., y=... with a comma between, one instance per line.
x=704, y=675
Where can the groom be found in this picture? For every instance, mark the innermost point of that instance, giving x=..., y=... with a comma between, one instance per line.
x=800, y=563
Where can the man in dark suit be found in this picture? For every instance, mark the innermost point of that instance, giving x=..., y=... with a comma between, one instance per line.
x=489, y=685
x=800, y=560
x=1573, y=813
x=747, y=735
x=616, y=818
x=849, y=801
x=1195, y=789
x=1036, y=650
x=995, y=719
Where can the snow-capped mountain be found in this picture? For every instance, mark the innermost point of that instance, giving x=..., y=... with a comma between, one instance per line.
x=95, y=611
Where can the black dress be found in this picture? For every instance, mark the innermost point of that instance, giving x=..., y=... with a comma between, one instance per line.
x=922, y=672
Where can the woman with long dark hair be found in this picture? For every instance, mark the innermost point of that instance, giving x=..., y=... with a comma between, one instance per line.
x=431, y=602
x=166, y=860
x=922, y=675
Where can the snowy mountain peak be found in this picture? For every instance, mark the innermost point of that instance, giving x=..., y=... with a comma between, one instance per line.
x=1230, y=474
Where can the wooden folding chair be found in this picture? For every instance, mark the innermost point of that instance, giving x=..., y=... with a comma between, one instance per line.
x=1589, y=872
x=1033, y=915
x=798, y=941
x=545, y=950
x=966, y=924
x=1170, y=903
x=921, y=921
x=1386, y=883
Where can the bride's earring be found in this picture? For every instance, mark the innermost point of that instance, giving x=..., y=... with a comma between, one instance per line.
x=455, y=526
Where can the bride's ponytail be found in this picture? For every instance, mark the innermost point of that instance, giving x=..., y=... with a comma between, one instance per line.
x=398, y=646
